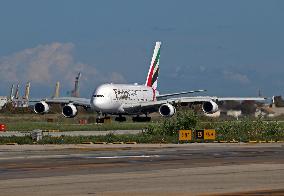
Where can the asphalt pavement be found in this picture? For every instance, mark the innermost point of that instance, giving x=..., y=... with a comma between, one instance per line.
x=155, y=169
x=55, y=133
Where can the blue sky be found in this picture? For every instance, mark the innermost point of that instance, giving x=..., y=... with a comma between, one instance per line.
x=230, y=48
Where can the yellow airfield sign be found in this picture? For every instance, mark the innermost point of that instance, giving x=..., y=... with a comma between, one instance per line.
x=185, y=135
x=209, y=134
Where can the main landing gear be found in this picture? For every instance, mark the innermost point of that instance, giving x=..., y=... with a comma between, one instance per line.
x=141, y=119
x=120, y=118
x=106, y=119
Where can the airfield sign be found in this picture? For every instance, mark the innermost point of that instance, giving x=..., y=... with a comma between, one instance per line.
x=185, y=135
x=209, y=134
x=206, y=134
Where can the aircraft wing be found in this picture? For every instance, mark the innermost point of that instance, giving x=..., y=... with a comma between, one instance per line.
x=180, y=93
x=241, y=98
x=200, y=99
x=153, y=106
x=66, y=100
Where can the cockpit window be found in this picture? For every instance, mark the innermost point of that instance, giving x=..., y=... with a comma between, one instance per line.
x=98, y=96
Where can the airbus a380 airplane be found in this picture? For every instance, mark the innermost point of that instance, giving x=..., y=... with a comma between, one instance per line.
x=134, y=99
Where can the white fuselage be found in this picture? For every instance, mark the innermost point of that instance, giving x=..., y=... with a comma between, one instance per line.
x=110, y=98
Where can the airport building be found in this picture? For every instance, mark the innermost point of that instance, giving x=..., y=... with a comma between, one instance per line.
x=3, y=101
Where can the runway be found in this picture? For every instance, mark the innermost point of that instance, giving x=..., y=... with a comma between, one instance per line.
x=187, y=169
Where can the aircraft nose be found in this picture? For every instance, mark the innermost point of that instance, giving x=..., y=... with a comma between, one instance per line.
x=98, y=103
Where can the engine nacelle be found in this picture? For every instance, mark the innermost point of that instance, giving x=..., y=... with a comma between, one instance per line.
x=41, y=107
x=69, y=111
x=167, y=110
x=210, y=107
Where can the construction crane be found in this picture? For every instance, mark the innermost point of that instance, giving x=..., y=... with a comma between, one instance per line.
x=75, y=92
x=11, y=97
x=56, y=92
x=16, y=96
x=27, y=91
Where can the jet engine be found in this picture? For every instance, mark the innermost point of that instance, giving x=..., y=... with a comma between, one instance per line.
x=41, y=107
x=167, y=110
x=210, y=107
x=69, y=111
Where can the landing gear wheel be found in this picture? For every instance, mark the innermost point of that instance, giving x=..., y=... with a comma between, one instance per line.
x=120, y=119
x=141, y=119
x=100, y=120
x=105, y=119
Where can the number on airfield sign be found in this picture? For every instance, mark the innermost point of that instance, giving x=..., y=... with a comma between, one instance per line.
x=209, y=134
x=199, y=134
x=185, y=135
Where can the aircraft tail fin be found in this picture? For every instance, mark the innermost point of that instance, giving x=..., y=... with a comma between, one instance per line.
x=153, y=73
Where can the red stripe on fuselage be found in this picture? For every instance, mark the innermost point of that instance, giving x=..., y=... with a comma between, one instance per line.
x=154, y=94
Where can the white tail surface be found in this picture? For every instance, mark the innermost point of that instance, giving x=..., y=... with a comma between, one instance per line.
x=153, y=73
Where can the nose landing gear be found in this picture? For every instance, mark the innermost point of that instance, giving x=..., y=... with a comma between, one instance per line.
x=103, y=119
